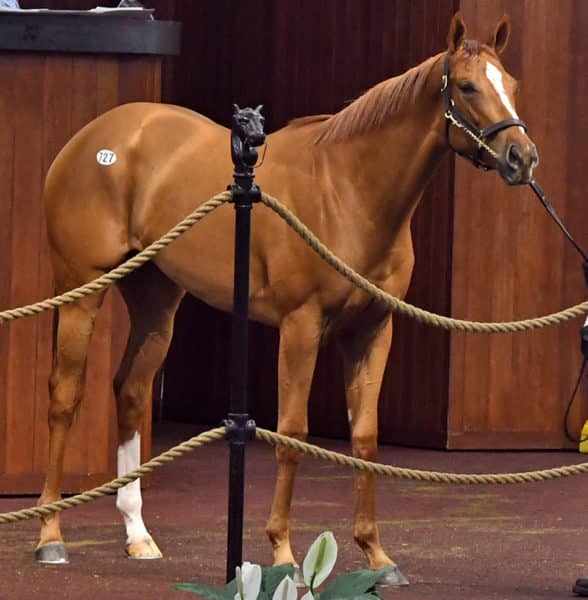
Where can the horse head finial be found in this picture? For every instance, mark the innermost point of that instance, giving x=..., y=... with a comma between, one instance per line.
x=246, y=134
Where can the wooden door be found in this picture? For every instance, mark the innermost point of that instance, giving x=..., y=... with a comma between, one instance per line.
x=300, y=58
x=510, y=261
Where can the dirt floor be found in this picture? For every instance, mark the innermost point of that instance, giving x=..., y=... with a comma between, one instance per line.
x=452, y=542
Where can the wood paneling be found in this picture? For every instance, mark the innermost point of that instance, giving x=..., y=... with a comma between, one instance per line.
x=488, y=252
x=509, y=260
x=49, y=98
x=299, y=58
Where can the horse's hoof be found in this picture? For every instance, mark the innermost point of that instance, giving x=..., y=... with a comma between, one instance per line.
x=53, y=553
x=392, y=578
x=297, y=578
x=144, y=550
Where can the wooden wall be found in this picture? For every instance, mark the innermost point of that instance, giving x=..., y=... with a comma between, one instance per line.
x=498, y=257
x=299, y=58
x=44, y=100
x=485, y=252
x=509, y=260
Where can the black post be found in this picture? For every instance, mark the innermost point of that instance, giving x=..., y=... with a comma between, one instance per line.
x=246, y=133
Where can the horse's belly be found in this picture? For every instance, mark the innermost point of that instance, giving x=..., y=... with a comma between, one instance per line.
x=205, y=270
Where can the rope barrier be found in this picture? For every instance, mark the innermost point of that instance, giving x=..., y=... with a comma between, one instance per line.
x=122, y=270
x=395, y=304
x=276, y=439
x=402, y=307
x=111, y=487
x=416, y=474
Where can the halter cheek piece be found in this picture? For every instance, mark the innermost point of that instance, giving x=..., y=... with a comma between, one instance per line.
x=454, y=115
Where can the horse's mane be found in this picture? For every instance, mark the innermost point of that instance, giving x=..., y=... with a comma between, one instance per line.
x=369, y=110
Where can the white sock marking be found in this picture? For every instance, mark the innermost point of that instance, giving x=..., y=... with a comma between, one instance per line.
x=128, y=498
x=495, y=77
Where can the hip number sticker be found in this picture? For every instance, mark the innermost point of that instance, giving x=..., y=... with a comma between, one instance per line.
x=105, y=157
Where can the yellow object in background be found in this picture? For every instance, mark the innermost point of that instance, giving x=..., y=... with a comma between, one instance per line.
x=584, y=436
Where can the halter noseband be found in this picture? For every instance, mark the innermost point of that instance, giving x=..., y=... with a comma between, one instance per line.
x=480, y=136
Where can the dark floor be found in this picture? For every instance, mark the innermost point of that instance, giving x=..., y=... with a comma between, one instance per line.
x=453, y=542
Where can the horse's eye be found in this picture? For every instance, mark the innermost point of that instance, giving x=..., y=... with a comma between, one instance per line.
x=467, y=87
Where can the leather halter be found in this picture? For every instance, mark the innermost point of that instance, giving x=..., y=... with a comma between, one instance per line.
x=481, y=135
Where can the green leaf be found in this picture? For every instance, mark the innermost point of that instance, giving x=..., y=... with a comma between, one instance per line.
x=354, y=585
x=231, y=588
x=320, y=560
x=206, y=591
x=272, y=576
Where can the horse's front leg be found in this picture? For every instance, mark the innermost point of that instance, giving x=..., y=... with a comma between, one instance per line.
x=300, y=334
x=365, y=355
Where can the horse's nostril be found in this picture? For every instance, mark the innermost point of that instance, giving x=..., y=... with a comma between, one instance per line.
x=514, y=156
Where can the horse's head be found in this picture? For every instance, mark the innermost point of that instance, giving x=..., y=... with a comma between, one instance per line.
x=248, y=124
x=479, y=97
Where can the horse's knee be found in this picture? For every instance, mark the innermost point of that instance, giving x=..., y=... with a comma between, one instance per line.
x=288, y=455
x=365, y=447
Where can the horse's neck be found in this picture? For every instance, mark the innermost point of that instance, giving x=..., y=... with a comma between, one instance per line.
x=391, y=166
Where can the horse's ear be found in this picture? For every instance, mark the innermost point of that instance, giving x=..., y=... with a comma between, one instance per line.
x=457, y=32
x=259, y=108
x=499, y=40
x=236, y=108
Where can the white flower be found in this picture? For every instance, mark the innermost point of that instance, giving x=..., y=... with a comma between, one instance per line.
x=248, y=581
x=286, y=590
x=307, y=596
x=320, y=560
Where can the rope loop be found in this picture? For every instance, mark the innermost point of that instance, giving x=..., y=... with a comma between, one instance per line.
x=276, y=439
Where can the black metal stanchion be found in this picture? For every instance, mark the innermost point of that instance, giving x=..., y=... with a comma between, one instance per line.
x=246, y=134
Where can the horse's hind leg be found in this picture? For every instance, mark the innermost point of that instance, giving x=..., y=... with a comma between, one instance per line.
x=365, y=355
x=152, y=300
x=299, y=342
x=74, y=330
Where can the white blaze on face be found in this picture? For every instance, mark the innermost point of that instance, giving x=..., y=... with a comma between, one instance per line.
x=495, y=77
x=128, y=499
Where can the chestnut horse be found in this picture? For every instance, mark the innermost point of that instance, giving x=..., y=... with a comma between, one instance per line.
x=354, y=178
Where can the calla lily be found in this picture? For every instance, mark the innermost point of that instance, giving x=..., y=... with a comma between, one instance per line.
x=307, y=596
x=286, y=590
x=248, y=578
x=320, y=560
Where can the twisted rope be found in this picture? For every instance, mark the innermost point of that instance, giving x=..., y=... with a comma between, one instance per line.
x=402, y=307
x=395, y=304
x=122, y=270
x=276, y=439
x=111, y=487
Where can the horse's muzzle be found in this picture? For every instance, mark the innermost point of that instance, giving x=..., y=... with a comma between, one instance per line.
x=517, y=163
